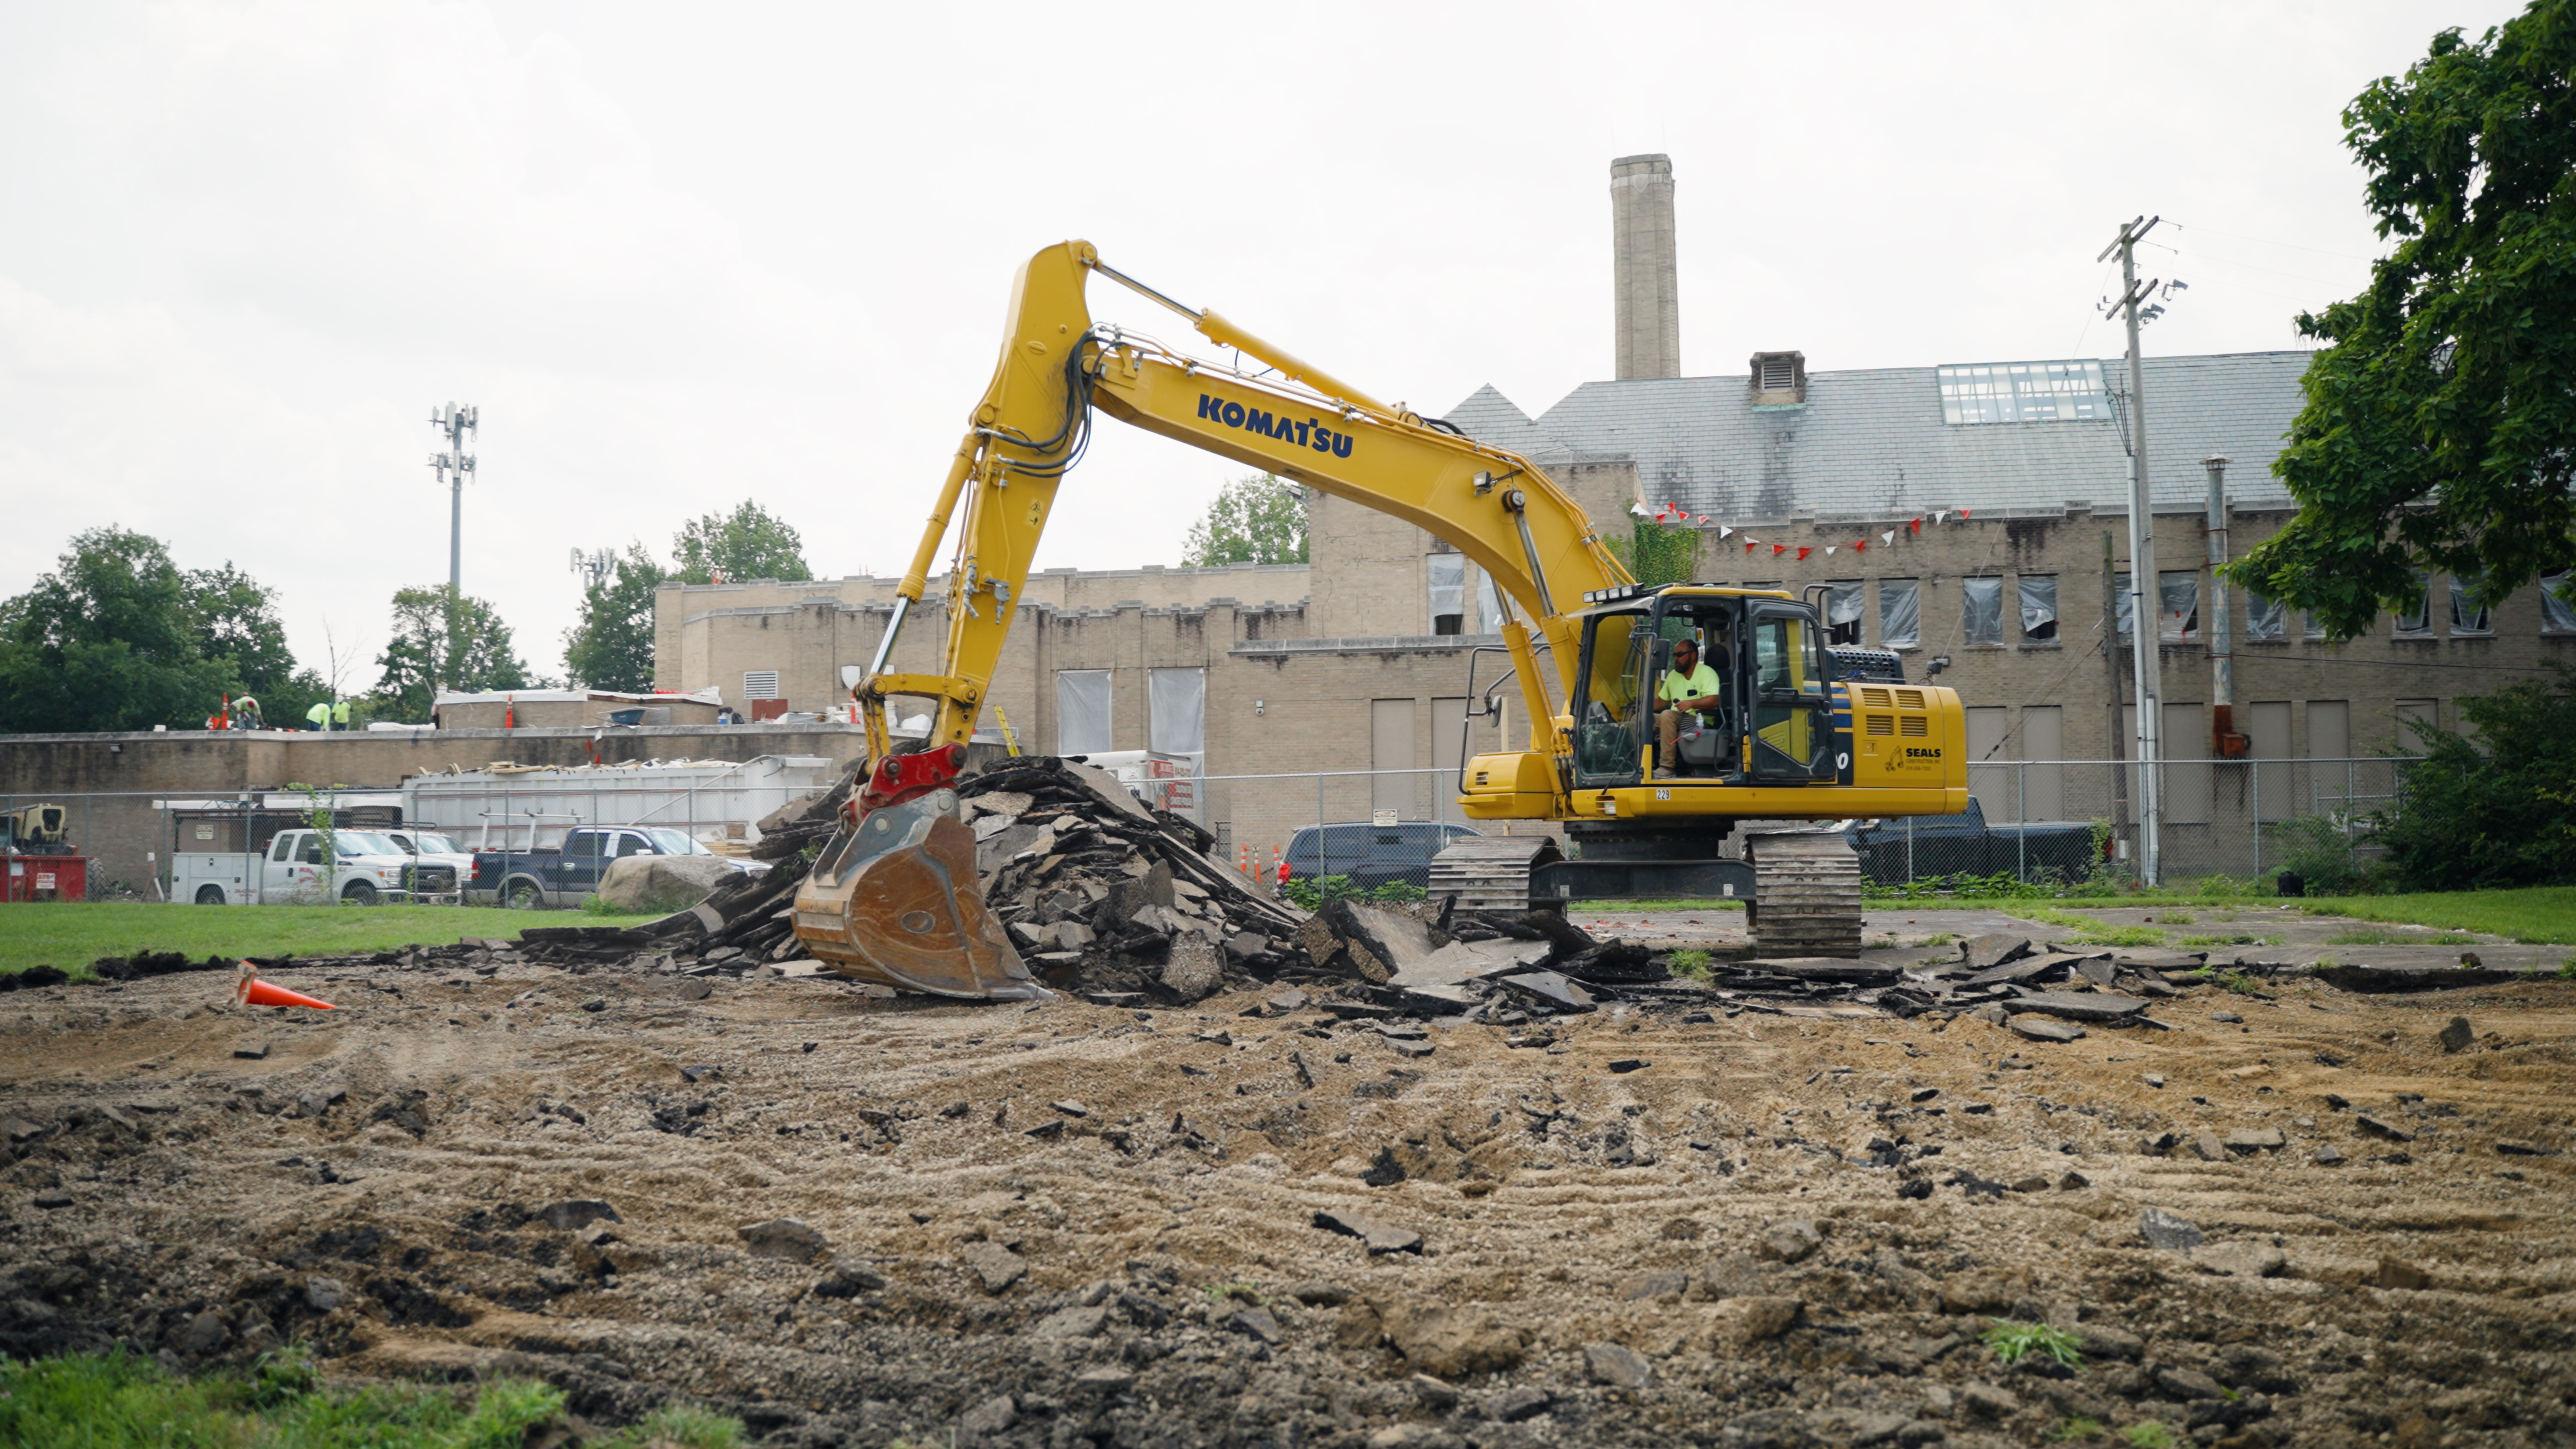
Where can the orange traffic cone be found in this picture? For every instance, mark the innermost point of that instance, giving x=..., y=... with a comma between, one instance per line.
x=249, y=990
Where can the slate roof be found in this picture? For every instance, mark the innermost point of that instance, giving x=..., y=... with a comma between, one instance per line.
x=1873, y=444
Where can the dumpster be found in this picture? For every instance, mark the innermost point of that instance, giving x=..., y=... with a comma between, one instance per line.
x=45, y=878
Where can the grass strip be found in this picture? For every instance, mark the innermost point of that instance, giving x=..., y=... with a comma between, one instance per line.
x=119, y=1401
x=71, y=934
x=2538, y=916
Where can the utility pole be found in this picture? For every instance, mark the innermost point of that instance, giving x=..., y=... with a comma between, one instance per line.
x=453, y=422
x=2143, y=615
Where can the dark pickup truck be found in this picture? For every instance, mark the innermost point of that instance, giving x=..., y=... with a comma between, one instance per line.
x=566, y=874
x=1921, y=847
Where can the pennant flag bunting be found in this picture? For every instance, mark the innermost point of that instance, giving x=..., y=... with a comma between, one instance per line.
x=1963, y=513
x=1860, y=545
x=1829, y=549
x=1917, y=526
x=1888, y=537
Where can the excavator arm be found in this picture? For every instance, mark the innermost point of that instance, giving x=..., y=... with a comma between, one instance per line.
x=1288, y=418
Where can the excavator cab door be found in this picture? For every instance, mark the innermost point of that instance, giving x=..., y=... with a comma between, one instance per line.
x=1611, y=691
x=1791, y=732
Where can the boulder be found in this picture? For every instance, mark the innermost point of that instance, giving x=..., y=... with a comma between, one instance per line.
x=639, y=884
x=1449, y=1341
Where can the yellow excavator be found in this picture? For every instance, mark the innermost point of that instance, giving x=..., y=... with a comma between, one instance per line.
x=1797, y=738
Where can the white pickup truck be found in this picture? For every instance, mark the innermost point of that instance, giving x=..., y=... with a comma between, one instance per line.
x=366, y=868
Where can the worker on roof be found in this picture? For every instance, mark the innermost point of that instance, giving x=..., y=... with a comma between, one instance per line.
x=340, y=715
x=1686, y=688
x=319, y=716
x=245, y=713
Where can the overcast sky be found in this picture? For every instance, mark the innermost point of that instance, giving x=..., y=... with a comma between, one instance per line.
x=684, y=255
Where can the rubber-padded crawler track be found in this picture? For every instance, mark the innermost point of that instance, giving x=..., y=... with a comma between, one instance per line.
x=1807, y=894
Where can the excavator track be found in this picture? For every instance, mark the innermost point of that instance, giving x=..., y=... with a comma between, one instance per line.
x=1806, y=893
x=1491, y=872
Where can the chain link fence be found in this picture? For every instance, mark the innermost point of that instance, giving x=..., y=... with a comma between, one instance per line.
x=2040, y=821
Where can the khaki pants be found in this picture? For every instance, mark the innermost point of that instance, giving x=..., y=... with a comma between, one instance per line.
x=1668, y=729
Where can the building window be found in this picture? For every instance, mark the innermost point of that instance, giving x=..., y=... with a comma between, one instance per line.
x=2417, y=621
x=2558, y=604
x=1448, y=593
x=2123, y=605
x=2315, y=628
x=2469, y=617
x=2022, y=392
x=2039, y=608
x=1842, y=612
x=2265, y=618
x=1981, y=612
x=760, y=684
x=1081, y=711
x=2178, y=606
x=1176, y=713
x=1900, y=613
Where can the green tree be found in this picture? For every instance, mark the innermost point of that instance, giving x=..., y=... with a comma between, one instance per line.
x=612, y=646
x=422, y=658
x=1259, y=519
x=236, y=620
x=108, y=641
x=745, y=544
x=2496, y=811
x=2440, y=429
x=1655, y=553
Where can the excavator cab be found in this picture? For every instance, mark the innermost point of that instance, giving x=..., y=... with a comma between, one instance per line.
x=1773, y=721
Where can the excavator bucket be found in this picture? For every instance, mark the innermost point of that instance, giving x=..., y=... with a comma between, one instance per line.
x=894, y=898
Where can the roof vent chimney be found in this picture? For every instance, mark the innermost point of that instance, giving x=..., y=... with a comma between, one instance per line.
x=1779, y=379
x=1648, y=291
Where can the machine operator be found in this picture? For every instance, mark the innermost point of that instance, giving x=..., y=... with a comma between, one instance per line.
x=1686, y=689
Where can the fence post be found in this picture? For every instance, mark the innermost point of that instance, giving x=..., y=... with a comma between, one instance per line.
x=2021, y=817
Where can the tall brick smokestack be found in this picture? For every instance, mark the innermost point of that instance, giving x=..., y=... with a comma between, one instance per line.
x=1649, y=292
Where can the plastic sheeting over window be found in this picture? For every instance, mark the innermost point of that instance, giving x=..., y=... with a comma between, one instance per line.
x=1842, y=611
x=1082, y=711
x=2125, y=605
x=2558, y=604
x=2038, y=608
x=1448, y=572
x=1176, y=708
x=1900, y=613
x=2265, y=618
x=1981, y=611
x=1489, y=605
x=2468, y=616
x=2177, y=606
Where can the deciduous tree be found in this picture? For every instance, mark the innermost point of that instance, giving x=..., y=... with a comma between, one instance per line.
x=1258, y=519
x=2440, y=423
x=747, y=543
x=612, y=646
x=423, y=656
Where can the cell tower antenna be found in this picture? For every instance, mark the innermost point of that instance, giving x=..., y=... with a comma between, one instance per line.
x=453, y=422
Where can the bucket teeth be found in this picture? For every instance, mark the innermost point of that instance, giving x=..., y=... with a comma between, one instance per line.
x=897, y=902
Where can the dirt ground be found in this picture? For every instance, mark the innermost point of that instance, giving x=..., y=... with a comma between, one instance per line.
x=1065, y=1224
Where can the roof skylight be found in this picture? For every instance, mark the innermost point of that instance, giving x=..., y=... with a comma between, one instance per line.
x=2023, y=392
